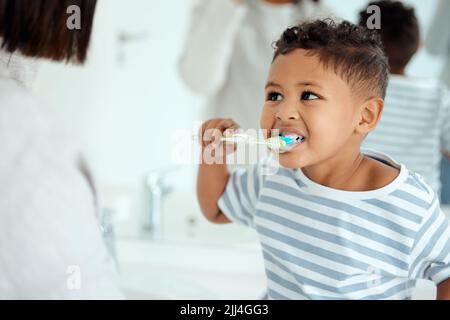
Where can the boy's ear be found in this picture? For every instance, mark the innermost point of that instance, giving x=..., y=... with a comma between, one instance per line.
x=370, y=115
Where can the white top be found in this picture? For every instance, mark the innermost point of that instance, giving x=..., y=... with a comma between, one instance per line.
x=415, y=126
x=323, y=243
x=229, y=51
x=50, y=242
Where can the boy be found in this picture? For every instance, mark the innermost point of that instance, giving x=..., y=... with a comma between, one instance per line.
x=334, y=223
x=415, y=127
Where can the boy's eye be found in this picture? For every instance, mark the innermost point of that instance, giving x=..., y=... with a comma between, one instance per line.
x=274, y=96
x=308, y=95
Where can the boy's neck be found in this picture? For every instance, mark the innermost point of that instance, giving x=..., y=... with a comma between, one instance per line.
x=337, y=172
x=350, y=170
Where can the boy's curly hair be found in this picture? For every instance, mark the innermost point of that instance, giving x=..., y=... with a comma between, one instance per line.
x=353, y=52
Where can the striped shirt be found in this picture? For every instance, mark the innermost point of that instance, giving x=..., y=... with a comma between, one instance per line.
x=323, y=243
x=415, y=126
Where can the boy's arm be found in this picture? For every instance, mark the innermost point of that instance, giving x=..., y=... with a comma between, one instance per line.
x=211, y=182
x=430, y=254
x=213, y=172
x=443, y=290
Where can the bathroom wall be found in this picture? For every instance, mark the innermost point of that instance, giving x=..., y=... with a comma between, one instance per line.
x=126, y=102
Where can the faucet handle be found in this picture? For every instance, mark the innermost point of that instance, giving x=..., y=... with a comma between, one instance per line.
x=157, y=185
x=158, y=179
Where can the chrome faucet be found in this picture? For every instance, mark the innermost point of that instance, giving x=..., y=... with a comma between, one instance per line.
x=107, y=231
x=157, y=187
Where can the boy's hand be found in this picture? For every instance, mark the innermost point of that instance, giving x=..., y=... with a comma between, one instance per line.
x=213, y=173
x=211, y=133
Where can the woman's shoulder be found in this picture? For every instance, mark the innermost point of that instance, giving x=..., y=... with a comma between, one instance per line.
x=36, y=150
x=23, y=120
x=28, y=129
x=18, y=105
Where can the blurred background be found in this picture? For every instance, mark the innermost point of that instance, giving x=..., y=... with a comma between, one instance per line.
x=126, y=104
x=124, y=107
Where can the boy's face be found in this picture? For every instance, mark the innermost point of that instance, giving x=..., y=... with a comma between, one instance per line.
x=303, y=98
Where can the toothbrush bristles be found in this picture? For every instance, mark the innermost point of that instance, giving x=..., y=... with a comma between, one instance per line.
x=276, y=143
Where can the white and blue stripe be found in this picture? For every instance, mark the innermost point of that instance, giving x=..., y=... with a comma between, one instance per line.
x=321, y=243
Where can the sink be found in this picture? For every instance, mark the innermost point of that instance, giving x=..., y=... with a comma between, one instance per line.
x=424, y=290
x=175, y=271
x=164, y=270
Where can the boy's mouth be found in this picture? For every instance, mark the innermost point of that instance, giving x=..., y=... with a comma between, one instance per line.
x=291, y=136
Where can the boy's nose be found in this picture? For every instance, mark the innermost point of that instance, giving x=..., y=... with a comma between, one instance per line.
x=285, y=113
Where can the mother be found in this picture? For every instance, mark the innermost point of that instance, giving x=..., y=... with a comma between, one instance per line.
x=50, y=244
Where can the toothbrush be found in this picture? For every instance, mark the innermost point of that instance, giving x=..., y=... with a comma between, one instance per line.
x=278, y=143
x=274, y=143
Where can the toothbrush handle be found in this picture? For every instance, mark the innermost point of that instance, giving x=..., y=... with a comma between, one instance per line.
x=242, y=139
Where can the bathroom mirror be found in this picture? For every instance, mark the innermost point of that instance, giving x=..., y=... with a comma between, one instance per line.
x=128, y=108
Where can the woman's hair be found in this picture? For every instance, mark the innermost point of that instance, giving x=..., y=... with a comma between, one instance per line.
x=39, y=28
x=355, y=53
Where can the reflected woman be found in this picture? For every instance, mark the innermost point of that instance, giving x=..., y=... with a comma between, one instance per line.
x=228, y=51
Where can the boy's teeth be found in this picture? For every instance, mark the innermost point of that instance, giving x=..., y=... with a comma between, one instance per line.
x=294, y=137
x=290, y=140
